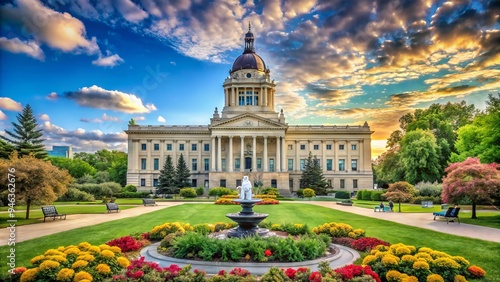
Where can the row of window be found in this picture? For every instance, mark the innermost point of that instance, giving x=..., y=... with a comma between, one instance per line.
x=206, y=147
x=237, y=164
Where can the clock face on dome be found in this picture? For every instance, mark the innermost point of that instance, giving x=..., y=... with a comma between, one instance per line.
x=249, y=75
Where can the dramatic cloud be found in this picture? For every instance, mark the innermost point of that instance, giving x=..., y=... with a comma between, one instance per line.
x=3, y=116
x=97, y=97
x=15, y=45
x=109, y=61
x=44, y=117
x=102, y=119
x=8, y=104
x=161, y=119
x=58, y=30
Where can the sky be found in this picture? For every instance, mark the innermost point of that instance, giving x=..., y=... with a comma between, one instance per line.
x=87, y=67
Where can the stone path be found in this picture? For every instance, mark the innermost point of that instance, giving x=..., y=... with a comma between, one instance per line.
x=422, y=220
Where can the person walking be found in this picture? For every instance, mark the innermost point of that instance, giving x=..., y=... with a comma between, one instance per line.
x=391, y=205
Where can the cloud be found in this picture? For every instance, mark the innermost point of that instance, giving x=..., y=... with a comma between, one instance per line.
x=130, y=11
x=139, y=118
x=15, y=45
x=58, y=30
x=44, y=117
x=161, y=119
x=52, y=96
x=8, y=104
x=102, y=119
x=97, y=97
x=109, y=61
x=3, y=116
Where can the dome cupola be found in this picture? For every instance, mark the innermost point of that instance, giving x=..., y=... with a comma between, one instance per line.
x=249, y=59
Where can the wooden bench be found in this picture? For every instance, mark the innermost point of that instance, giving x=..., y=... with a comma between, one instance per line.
x=50, y=211
x=112, y=207
x=379, y=209
x=148, y=202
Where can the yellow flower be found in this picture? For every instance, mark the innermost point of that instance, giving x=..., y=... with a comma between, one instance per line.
x=53, y=252
x=84, y=245
x=401, y=251
x=56, y=258
x=389, y=260
x=103, y=268
x=29, y=275
x=393, y=275
x=425, y=256
x=37, y=259
x=459, y=278
x=115, y=249
x=79, y=263
x=438, y=254
x=369, y=259
x=421, y=265
x=73, y=250
x=435, y=278
x=65, y=274
x=446, y=262
x=82, y=276
x=86, y=257
x=410, y=279
x=94, y=249
x=49, y=264
x=409, y=258
x=460, y=260
x=108, y=254
x=104, y=247
x=425, y=250
x=123, y=262
x=60, y=249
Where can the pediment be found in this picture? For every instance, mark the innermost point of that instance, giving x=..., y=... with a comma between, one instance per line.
x=248, y=121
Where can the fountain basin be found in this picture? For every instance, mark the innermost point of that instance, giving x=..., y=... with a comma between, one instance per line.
x=247, y=220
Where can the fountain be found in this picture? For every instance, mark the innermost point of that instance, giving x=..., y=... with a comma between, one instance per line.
x=247, y=219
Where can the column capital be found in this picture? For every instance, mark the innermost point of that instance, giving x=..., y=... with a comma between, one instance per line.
x=174, y=141
x=162, y=141
x=149, y=140
x=136, y=140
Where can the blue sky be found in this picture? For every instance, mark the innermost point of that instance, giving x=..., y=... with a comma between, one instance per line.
x=88, y=67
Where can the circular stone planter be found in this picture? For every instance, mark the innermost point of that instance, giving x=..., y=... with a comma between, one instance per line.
x=343, y=256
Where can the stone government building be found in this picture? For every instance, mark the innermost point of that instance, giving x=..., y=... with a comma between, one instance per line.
x=249, y=137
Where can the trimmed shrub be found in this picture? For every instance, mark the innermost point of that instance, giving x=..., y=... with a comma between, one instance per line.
x=130, y=188
x=270, y=191
x=308, y=193
x=200, y=191
x=188, y=193
x=97, y=190
x=300, y=193
x=129, y=195
x=75, y=195
x=367, y=195
x=221, y=191
x=376, y=195
x=359, y=195
x=342, y=195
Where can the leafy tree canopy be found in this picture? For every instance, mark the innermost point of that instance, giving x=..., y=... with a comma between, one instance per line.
x=76, y=167
x=419, y=157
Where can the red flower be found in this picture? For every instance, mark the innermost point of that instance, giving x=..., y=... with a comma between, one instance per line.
x=476, y=271
x=268, y=253
x=315, y=277
x=222, y=272
x=238, y=271
x=290, y=273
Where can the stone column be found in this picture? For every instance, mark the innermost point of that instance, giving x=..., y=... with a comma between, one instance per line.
x=278, y=155
x=174, y=153
x=283, y=154
x=242, y=154
x=134, y=165
x=213, y=168
x=336, y=156
x=348, y=160
x=323, y=155
x=264, y=161
x=254, y=153
x=200, y=161
x=149, y=160
x=230, y=156
x=297, y=159
x=233, y=96
x=219, y=153
x=186, y=154
x=361, y=156
x=162, y=154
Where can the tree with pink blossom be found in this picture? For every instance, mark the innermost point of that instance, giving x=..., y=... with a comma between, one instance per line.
x=471, y=180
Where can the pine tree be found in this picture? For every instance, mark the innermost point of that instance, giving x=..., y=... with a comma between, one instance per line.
x=166, y=181
x=312, y=176
x=182, y=174
x=26, y=138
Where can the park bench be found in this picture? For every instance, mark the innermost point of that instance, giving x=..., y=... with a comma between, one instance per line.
x=112, y=207
x=50, y=211
x=379, y=209
x=148, y=202
x=450, y=215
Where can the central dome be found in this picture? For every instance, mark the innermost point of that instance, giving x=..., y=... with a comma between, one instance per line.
x=249, y=59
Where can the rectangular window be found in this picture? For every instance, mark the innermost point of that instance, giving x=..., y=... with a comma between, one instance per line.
x=143, y=147
x=328, y=147
x=342, y=183
x=194, y=183
x=341, y=164
x=290, y=147
x=302, y=147
x=354, y=164
x=259, y=163
x=143, y=163
x=143, y=182
x=249, y=98
x=353, y=147
x=329, y=164
x=341, y=147
x=274, y=183
x=223, y=164
x=290, y=164
x=155, y=182
x=354, y=183
x=194, y=164
x=206, y=164
x=181, y=147
x=316, y=147
x=206, y=147
x=169, y=147
x=156, y=163
x=329, y=183
x=238, y=182
x=290, y=184
x=156, y=147
x=236, y=164
x=271, y=165
x=223, y=183
x=193, y=147
x=302, y=164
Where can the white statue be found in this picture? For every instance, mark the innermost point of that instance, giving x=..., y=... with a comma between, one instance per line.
x=246, y=189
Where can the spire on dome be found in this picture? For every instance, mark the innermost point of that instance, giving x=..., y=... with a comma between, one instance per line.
x=249, y=40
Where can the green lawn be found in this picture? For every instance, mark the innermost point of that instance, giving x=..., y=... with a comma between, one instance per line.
x=36, y=215
x=479, y=252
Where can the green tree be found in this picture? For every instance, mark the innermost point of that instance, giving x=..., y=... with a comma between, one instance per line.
x=312, y=176
x=182, y=173
x=36, y=181
x=76, y=167
x=388, y=169
x=419, y=157
x=166, y=181
x=26, y=138
x=5, y=149
x=473, y=181
x=118, y=169
x=400, y=192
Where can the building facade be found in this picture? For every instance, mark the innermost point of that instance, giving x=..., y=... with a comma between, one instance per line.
x=61, y=151
x=249, y=137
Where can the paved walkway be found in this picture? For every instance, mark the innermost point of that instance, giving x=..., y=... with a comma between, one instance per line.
x=422, y=220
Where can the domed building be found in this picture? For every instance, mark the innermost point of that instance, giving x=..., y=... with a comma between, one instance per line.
x=249, y=137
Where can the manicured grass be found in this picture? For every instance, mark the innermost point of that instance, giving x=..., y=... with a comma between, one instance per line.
x=478, y=252
x=488, y=219
x=404, y=207
x=36, y=215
